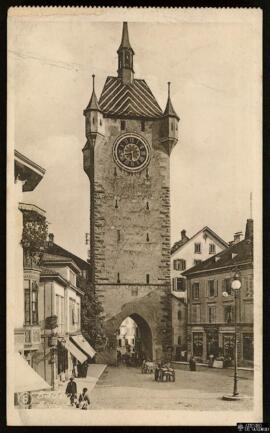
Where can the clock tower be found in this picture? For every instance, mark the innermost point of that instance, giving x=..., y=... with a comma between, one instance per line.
x=127, y=160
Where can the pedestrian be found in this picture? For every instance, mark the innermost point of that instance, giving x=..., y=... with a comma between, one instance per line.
x=192, y=364
x=84, y=400
x=71, y=390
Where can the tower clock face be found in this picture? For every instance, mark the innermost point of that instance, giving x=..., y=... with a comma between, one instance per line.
x=131, y=152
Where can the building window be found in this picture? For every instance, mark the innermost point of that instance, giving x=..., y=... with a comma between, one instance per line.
x=196, y=262
x=118, y=235
x=212, y=249
x=143, y=125
x=226, y=286
x=228, y=313
x=72, y=277
x=120, y=342
x=211, y=288
x=197, y=343
x=30, y=302
x=248, y=347
x=179, y=264
x=72, y=319
x=248, y=284
x=179, y=341
x=134, y=291
x=147, y=278
x=118, y=278
x=228, y=345
x=197, y=248
x=195, y=290
x=179, y=315
x=179, y=284
x=123, y=125
x=196, y=313
x=147, y=237
x=211, y=314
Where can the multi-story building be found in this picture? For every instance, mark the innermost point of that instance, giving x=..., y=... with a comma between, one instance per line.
x=63, y=349
x=186, y=253
x=27, y=175
x=211, y=303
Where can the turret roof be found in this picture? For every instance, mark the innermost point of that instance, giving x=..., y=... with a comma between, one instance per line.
x=169, y=110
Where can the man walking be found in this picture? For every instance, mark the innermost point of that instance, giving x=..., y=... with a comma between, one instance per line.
x=71, y=390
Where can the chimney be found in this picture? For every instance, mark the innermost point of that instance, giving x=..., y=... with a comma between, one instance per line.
x=237, y=237
x=249, y=229
x=51, y=239
x=183, y=235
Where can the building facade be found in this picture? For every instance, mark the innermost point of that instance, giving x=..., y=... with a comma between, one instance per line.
x=127, y=160
x=186, y=253
x=212, y=306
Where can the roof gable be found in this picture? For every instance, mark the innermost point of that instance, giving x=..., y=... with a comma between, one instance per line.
x=180, y=244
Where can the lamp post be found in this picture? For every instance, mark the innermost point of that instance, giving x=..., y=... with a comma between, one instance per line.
x=235, y=286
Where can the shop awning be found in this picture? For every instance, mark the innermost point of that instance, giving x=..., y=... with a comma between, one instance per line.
x=79, y=355
x=84, y=345
x=26, y=379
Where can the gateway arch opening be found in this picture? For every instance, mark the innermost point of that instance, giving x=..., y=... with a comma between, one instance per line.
x=134, y=341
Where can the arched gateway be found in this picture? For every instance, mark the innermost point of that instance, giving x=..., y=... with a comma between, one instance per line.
x=127, y=160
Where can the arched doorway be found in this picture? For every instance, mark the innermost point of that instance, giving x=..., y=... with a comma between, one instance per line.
x=134, y=339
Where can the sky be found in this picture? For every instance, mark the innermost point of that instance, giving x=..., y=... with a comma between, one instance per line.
x=214, y=69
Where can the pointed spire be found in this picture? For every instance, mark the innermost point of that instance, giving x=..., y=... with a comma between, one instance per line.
x=125, y=58
x=125, y=38
x=169, y=110
x=93, y=104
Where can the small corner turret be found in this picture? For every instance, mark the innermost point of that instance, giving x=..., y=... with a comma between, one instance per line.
x=125, y=58
x=94, y=127
x=169, y=125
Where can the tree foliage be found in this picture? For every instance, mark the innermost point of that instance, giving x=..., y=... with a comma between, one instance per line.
x=92, y=318
x=34, y=235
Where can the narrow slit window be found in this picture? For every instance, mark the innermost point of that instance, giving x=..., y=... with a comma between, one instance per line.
x=147, y=173
x=123, y=125
x=118, y=278
x=116, y=204
x=115, y=172
x=118, y=236
x=147, y=237
x=147, y=205
x=147, y=278
x=143, y=125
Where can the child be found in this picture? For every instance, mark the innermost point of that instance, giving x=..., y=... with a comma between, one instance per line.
x=84, y=400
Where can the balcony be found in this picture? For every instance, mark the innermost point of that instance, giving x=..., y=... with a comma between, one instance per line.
x=32, y=337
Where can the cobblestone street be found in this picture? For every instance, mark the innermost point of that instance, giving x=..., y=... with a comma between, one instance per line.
x=127, y=388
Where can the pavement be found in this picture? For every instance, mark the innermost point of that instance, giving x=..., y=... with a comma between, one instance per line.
x=58, y=398
x=127, y=388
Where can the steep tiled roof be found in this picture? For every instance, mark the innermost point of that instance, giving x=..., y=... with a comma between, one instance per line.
x=179, y=244
x=133, y=99
x=54, y=249
x=239, y=253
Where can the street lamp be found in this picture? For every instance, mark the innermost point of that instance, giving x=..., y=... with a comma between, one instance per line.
x=235, y=286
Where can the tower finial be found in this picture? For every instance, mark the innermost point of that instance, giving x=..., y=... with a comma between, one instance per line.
x=93, y=77
x=169, y=89
x=250, y=205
